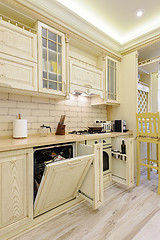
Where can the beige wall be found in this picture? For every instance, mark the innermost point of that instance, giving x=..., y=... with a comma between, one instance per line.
x=154, y=92
x=79, y=112
x=128, y=91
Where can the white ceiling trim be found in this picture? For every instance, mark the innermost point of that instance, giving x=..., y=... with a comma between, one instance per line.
x=77, y=24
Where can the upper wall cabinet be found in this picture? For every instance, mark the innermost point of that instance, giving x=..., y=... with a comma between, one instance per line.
x=18, y=57
x=85, y=78
x=17, y=42
x=112, y=80
x=51, y=59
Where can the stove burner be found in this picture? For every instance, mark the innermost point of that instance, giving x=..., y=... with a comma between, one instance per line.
x=83, y=132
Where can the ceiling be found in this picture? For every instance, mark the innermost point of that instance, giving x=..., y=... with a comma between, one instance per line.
x=118, y=18
x=151, y=57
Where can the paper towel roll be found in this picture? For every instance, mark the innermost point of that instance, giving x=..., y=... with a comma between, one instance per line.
x=20, y=128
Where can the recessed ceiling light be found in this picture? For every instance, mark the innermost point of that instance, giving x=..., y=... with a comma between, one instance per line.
x=139, y=12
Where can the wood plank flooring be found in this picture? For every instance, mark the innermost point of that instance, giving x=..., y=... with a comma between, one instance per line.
x=126, y=214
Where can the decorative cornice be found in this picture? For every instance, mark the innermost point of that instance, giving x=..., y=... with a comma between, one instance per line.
x=58, y=16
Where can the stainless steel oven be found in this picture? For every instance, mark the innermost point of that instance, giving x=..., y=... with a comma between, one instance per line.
x=106, y=142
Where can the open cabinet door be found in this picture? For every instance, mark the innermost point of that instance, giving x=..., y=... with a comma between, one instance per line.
x=123, y=164
x=92, y=185
x=60, y=182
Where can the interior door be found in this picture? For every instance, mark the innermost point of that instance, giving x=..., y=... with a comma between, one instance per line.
x=61, y=182
x=92, y=185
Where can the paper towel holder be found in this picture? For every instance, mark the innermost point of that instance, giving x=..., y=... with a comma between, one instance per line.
x=19, y=127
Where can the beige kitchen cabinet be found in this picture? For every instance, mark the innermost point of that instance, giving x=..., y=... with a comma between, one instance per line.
x=17, y=73
x=16, y=194
x=123, y=164
x=65, y=180
x=112, y=81
x=18, y=58
x=51, y=60
x=85, y=78
x=18, y=42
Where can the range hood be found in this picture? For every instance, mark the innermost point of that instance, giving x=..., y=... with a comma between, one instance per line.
x=86, y=91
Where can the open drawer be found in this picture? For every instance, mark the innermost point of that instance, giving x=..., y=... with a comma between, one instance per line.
x=64, y=180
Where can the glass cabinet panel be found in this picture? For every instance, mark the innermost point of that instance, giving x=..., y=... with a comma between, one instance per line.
x=111, y=80
x=51, y=60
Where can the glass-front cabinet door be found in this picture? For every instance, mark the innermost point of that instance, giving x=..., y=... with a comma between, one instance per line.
x=51, y=60
x=112, y=70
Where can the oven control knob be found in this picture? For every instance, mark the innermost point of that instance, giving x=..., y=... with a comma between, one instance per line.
x=104, y=141
x=96, y=142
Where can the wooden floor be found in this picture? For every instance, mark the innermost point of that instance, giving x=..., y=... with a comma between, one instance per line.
x=126, y=214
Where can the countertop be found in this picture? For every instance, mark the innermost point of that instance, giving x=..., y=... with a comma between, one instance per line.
x=7, y=144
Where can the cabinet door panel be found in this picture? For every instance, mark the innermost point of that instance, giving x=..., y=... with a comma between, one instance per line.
x=86, y=76
x=112, y=72
x=51, y=58
x=18, y=42
x=17, y=73
x=123, y=170
x=92, y=186
x=15, y=199
x=60, y=183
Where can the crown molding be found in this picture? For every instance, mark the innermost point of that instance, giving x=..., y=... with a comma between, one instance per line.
x=60, y=17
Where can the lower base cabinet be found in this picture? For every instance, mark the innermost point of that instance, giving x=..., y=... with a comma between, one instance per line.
x=64, y=184
x=16, y=199
x=64, y=180
x=123, y=163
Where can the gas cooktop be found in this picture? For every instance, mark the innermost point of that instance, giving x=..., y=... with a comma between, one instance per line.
x=85, y=132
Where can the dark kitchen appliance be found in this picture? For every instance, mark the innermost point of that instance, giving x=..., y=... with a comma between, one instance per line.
x=49, y=154
x=106, y=144
x=120, y=126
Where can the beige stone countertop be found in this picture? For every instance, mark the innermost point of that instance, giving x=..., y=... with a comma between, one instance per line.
x=7, y=144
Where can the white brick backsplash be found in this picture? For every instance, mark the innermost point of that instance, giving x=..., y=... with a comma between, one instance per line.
x=3, y=95
x=57, y=113
x=61, y=108
x=72, y=114
x=40, y=100
x=46, y=106
x=3, y=111
x=78, y=110
x=20, y=98
x=36, y=125
x=6, y=118
x=7, y=103
x=41, y=113
x=29, y=105
x=45, y=119
x=6, y=133
x=4, y=126
x=22, y=111
x=31, y=119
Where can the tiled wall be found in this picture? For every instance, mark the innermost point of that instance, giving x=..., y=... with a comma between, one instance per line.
x=79, y=113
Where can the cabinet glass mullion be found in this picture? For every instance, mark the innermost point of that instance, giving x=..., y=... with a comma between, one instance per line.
x=112, y=71
x=52, y=60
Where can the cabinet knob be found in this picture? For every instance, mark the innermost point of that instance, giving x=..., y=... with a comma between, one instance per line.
x=104, y=141
x=96, y=142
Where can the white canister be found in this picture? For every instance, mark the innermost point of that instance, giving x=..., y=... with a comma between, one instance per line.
x=20, y=128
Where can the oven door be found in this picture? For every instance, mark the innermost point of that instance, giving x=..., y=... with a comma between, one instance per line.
x=106, y=159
